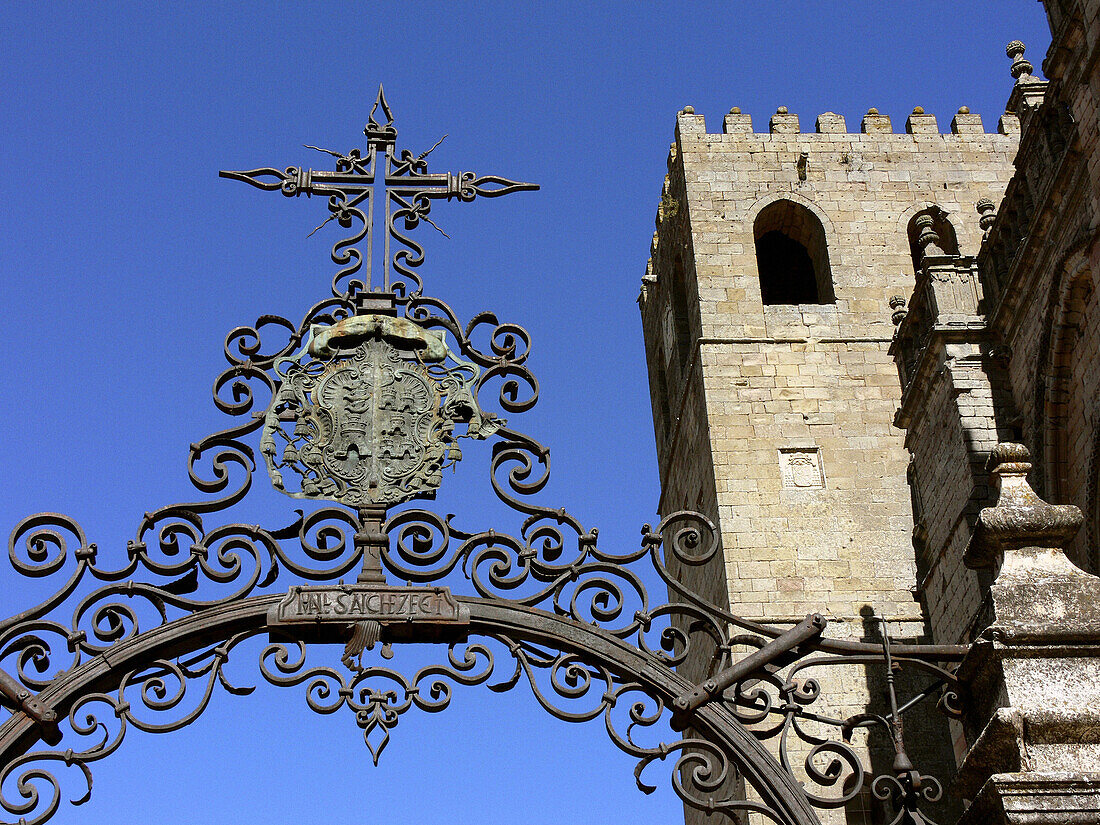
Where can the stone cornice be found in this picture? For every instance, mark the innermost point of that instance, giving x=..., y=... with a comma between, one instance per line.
x=932, y=358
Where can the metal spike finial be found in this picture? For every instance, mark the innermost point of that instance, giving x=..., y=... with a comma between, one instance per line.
x=376, y=131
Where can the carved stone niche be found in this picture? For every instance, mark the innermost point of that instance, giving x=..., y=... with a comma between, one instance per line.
x=1033, y=677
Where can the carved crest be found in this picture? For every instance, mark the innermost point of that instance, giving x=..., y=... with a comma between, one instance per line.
x=366, y=414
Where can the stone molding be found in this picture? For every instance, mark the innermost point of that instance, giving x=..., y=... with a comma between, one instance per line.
x=1033, y=677
x=1065, y=798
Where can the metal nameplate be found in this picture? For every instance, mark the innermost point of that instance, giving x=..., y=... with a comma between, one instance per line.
x=356, y=603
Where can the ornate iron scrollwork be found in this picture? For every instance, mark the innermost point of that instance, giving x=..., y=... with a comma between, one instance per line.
x=407, y=188
x=362, y=401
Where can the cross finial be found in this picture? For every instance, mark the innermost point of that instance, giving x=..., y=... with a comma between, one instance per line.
x=406, y=189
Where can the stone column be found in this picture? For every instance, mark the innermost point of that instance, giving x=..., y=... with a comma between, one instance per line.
x=1032, y=679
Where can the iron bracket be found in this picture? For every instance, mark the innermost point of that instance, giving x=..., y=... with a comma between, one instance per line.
x=777, y=653
x=14, y=695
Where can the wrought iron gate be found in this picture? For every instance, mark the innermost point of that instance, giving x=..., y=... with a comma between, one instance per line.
x=359, y=407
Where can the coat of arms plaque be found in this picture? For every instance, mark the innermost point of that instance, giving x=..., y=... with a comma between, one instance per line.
x=366, y=414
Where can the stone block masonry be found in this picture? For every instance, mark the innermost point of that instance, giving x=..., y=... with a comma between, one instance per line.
x=764, y=379
x=778, y=417
x=794, y=279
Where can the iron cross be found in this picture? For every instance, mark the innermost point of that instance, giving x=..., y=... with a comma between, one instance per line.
x=405, y=187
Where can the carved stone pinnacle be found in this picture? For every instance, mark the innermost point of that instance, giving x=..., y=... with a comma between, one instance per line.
x=987, y=215
x=1020, y=523
x=897, y=304
x=928, y=239
x=1021, y=67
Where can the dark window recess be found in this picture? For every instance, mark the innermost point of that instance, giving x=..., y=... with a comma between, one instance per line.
x=792, y=256
x=786, y=270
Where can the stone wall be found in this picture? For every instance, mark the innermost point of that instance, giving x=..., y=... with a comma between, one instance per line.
x=782, y=420
x=778, y=418
x=1046, y=314
x=808, y=384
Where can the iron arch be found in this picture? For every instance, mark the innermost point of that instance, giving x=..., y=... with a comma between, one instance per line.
x=358, y=408
x=781, y=796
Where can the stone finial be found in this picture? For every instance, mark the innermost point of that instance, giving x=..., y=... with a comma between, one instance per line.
x=830, y=123
x=897, y=304
x=1032, y=682
x=783, y=122
x=688, y=121
x=964, y=123
x=874, y=122
x=736, y=122
x=1021, y=534
x=1021, y=67
x=988, y=216
x=920, y=123
x=1028, y=91
x=927, y=238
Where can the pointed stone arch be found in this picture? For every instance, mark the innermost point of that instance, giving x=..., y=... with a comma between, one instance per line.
x=1062, y=409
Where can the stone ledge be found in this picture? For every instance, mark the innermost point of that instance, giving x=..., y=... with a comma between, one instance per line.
x=1056, y=798
x=1025, y=742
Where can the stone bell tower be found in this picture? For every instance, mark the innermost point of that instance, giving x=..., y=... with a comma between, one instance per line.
x=765, y=309
x=767, y=322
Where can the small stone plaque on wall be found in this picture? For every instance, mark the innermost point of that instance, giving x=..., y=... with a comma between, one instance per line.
x=802, y=468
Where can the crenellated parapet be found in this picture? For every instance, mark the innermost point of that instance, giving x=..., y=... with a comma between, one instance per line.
x=861, y=185
x=785, y=122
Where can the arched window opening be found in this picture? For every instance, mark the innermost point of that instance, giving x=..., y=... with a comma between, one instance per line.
x=792, y=256
x=1065, y=406
x=943, y=235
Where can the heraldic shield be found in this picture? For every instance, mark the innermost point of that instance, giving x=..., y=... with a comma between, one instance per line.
x=366, y=414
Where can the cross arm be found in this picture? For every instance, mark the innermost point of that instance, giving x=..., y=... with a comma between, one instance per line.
x=462, y=185
x=298, y=180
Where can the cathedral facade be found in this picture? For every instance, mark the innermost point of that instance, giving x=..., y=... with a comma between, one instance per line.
x=841, y=325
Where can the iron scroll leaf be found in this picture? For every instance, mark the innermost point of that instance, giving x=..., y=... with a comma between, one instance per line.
x=366, y=413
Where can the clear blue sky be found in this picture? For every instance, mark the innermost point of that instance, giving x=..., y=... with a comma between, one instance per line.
x=125, y=260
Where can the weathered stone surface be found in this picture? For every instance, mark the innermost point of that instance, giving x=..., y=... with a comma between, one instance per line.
x=1066, y=798
x=1047, y=740
x=998, y=340
x=1034, y=676
x=1021, y=531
